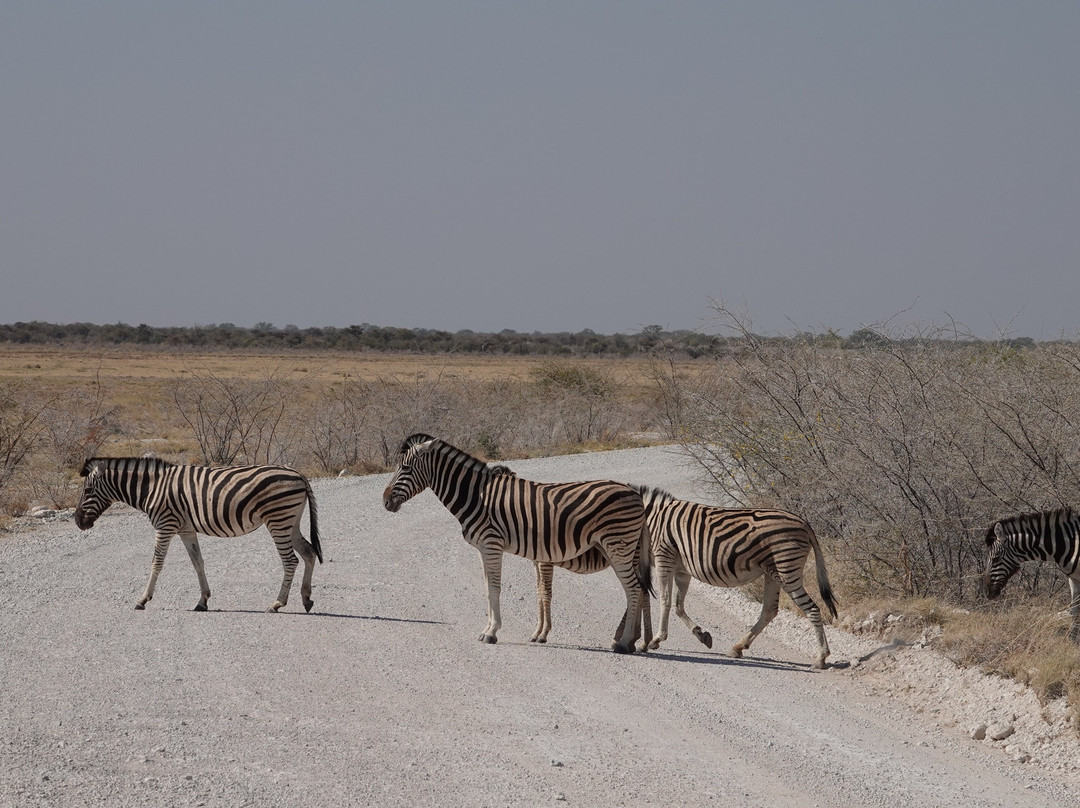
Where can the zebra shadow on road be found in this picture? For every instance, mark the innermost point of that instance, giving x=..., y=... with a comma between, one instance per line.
x=337, y=616
x=697, y=658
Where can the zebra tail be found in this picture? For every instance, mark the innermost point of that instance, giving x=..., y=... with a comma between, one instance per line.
x=822, y=576
x=645, y=561
x=313, y=521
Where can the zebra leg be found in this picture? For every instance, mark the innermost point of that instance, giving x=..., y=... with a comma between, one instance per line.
x=543, y=598
x=161, y=547
x=682, y=582
x=1074, y=609
x=770, y=607
x=808, y=607
x=646, y=622
x=191, y=544
x=492, y=560
x=303, y=548
x=289, y=560
x=630, y=626
x=666, y=576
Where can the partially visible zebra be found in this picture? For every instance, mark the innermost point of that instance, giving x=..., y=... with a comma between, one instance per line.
x=1042, y=536
x=721, y=547
x=502, y=513
x=732, y=547
x=215, y=501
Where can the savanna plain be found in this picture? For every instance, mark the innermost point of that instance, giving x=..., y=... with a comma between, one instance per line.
x=382, y=695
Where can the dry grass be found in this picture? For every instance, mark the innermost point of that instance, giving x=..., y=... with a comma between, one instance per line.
x=1026, y=642
x=148, y=368
x=359, y=405
x=138, y=382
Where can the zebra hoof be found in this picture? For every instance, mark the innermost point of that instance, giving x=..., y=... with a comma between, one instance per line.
x=140, y=607
x=308, y=605
x=488, y=639
x=704, y=637
x=274, y=607
x=541, y=640
x=199, y=607
x=618, y=648
x=736, y=652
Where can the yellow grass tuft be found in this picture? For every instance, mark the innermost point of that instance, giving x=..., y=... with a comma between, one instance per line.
x=1025, y=643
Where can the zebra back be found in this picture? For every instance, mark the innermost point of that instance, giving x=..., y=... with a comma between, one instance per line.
x=730, y=546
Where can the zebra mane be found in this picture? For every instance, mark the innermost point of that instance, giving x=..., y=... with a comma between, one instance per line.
x=136, y=463
x=448, y=448
x=1011, y=523
x=649, y=493
x=412, y=440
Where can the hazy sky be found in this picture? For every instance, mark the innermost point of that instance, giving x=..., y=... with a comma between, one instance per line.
x=548, y=166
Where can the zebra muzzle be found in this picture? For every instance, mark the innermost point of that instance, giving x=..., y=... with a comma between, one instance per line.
x=390, y=502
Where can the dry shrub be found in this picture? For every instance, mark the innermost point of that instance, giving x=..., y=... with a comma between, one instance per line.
x=237, y=420
x=357, y=425
x=898, y=448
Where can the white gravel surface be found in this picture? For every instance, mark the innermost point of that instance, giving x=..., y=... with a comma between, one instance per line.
x=383, y=696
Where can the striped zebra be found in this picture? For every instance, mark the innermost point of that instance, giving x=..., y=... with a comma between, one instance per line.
x=732, y=547
x=502, y=513
x=1043, y=536
x=215, y=501
x=721, y=547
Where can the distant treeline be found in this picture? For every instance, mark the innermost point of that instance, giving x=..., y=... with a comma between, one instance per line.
x=364, y=337
x=367, y=337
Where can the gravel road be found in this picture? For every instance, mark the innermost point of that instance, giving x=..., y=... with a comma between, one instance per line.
x=383, y=696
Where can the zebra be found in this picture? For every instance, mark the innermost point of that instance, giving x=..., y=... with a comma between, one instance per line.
x=731, y=547
x=1052, y=535
x=502, y=513
x=215, y=501
x=722, y=547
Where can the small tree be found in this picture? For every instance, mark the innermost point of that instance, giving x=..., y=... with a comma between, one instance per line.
x=235, y=420
x=21, y=413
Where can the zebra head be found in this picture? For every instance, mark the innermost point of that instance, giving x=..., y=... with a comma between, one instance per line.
x=1001, y=561
x=414, y=472
x=96, y=495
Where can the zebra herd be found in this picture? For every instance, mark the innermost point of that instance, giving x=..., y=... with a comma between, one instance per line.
x=644, y=534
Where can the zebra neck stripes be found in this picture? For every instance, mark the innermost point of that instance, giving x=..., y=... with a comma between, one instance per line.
x=131, y=480
x=1052, y=535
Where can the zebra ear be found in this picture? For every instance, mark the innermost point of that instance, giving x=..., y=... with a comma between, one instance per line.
x=999, y=532
x=86, y=467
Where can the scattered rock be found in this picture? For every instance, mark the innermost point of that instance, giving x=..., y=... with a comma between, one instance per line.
x=978, y=733
x=999, y=732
